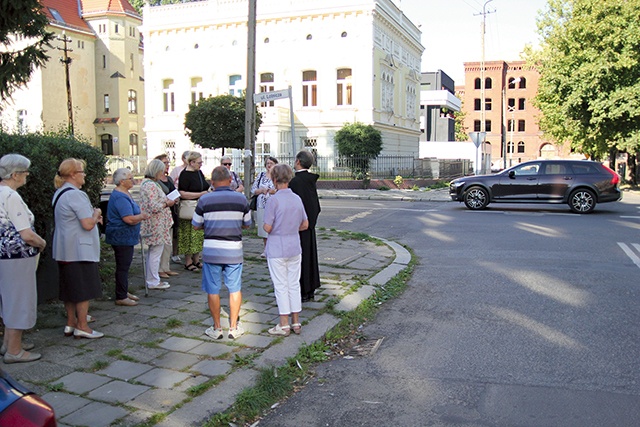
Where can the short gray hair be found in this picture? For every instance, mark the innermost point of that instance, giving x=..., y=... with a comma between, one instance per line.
x=12, y=163
x=154, y=167
x=223, y=158
x=185, y=155
x=220, y=173
x=120, y=175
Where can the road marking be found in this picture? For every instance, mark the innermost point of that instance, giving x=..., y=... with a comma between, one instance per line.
x=631, y=217
x=629, y=252
x=356, y=216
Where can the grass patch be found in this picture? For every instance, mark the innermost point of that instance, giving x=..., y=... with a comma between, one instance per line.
x=174, y=323
x=107, y=268
x=99, y=365
x=153, y=420
x=241, y=361
x=197, y=390
x=115, y=352
x=439, y=184
x=55, y=387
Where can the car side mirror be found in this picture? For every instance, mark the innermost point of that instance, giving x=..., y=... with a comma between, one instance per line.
x=512, y=174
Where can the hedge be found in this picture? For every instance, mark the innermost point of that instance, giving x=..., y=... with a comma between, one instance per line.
x=46, y=152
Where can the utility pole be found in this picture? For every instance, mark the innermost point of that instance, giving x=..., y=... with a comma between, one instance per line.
x=249, y=115
x=483, y=116
x=67, y=61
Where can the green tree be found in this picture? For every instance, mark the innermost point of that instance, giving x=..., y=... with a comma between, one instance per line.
x=218, y=122
x=589, y=63
x=460, y=128
x=359, y=143
x=22, y=19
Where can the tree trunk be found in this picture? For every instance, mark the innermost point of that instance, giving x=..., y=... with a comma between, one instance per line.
x=631, y=164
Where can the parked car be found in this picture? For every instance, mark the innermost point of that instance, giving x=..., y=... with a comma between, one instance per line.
x=579, y=183
x=19, y=407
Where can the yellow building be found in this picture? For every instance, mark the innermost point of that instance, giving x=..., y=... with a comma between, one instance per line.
x=105, y=76
x=346, y=61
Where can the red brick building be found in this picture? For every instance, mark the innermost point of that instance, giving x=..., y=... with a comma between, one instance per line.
x=510, y=116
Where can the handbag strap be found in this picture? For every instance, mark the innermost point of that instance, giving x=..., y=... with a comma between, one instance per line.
x=55, y=202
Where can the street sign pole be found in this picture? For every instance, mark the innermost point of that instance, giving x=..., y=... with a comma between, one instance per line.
x=275, y=95
x=477, y=138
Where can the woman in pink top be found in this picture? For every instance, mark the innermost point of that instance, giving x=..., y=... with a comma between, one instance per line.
x=284, y=217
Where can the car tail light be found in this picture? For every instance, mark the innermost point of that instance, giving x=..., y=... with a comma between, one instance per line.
x=615, y=180
x=29, y=411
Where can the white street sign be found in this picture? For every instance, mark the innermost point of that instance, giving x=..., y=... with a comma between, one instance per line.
x=270, y=96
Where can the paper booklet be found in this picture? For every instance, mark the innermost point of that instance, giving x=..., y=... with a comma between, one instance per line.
x=174, y=195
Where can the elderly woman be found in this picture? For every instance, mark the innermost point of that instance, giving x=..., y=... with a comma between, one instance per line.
x=236, y=182
x=284, y=218
x=156, y=231
x=76, y=247
x=167, y=184
x=123, y=232
x=192, y=185
x=263, y=187
x=19, y=247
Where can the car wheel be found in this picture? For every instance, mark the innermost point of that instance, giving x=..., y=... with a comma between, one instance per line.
x=582, y=201
x=476, y=198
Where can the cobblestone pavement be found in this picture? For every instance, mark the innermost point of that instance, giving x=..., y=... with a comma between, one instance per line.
x=153, y=354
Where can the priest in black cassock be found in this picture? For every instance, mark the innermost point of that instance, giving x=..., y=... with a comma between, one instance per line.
x=304, y=185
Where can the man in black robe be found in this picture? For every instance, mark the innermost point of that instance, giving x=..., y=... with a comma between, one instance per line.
x=304, y=185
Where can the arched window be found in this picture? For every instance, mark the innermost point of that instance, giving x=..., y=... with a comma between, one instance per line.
x=266, y=85
x=521, y=147
x=510, y=147
x=309, y=88
x=523, y=83
x=133, y=144
x=196, y=90
x=343, y=87
x=168, y=96
x=512, y=83
x=132, y=101
x=477, y=83
x=487, y=83
x=234, y=86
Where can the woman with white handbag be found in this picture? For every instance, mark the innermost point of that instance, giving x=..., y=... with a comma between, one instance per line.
x=192, y=185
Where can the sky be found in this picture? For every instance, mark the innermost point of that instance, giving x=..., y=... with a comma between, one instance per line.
x=451, y=31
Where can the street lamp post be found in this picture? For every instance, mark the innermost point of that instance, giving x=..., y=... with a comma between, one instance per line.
x=504, y=118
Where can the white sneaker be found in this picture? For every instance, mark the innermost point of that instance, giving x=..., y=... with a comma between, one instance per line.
x=237, y=332
x=161, y=285
x=216, y=334
x=176, y=259
x=263, y=255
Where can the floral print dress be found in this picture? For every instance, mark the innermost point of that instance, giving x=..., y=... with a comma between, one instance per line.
x=157, y=229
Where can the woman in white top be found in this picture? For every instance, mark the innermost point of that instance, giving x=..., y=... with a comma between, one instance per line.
x=19, y=247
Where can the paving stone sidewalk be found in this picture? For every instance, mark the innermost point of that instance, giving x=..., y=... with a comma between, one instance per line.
x=154, y=354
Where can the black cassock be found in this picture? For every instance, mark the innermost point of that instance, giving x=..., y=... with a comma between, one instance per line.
x=304, y=185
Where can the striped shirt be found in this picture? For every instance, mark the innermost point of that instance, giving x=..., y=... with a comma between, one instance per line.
x=222, y=212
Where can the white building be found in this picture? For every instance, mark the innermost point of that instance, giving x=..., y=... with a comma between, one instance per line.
x=346, y=61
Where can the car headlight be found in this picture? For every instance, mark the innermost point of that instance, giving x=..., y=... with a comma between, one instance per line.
x=457, y=184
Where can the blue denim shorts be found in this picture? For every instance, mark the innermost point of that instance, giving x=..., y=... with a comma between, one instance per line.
x=212, y=275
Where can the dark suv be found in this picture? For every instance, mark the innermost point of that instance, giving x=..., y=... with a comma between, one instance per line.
x=579, y=183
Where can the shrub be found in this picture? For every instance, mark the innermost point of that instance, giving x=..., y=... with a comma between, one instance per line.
x=398, y=181
x=46, y=152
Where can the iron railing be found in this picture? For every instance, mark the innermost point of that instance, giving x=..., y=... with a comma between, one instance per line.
x=331, y=167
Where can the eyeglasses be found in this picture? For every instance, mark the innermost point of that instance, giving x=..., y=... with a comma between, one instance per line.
x=22, y=172
x=227, y=164
x=82, y=172
x=165, y=162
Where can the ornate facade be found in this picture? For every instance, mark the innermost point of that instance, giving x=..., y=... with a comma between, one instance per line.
x=346, y=61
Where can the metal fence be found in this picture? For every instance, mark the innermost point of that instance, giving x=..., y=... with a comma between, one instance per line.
x=331, y=167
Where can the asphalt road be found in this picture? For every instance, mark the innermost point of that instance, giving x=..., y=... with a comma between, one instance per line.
x=518, y=315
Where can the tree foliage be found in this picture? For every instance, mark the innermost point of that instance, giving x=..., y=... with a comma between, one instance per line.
x=218, y=122
x=25, y=19
x=361, y=143
x=589, y=89
x=459, y=127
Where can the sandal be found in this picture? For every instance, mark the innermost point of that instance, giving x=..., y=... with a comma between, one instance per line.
x=163, y=275
x=198, y=264
x=192, y=267
x=296, y=327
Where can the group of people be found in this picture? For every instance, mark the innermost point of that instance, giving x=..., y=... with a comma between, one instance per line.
x=211, y=240
x=287, y=208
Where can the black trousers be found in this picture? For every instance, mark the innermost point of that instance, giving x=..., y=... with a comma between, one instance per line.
x=124, y=256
